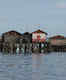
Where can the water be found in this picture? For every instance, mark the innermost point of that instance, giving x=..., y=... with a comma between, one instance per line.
x=33, y=67
x=15, y=67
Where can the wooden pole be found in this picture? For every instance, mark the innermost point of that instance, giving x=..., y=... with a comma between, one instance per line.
x=40, y=47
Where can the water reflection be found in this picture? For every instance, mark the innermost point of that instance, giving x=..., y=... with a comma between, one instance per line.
x=15, y=67
x=36, y=62
x=33, y=67
x=49, y=67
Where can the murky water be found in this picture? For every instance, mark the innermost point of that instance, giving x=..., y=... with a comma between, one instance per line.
x=33, y=67
x=15, y=67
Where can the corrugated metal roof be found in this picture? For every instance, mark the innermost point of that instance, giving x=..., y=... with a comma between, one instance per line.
x=57, y=37
x=39, y=31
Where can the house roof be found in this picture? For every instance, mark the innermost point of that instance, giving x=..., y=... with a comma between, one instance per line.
x=39, y=31
x=27, y=33
x=57, y=37
x=12, y=32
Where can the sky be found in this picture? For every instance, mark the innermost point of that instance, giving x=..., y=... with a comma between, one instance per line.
x=26, y=15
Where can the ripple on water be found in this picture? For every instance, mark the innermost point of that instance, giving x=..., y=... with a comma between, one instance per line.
x=33, y=67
